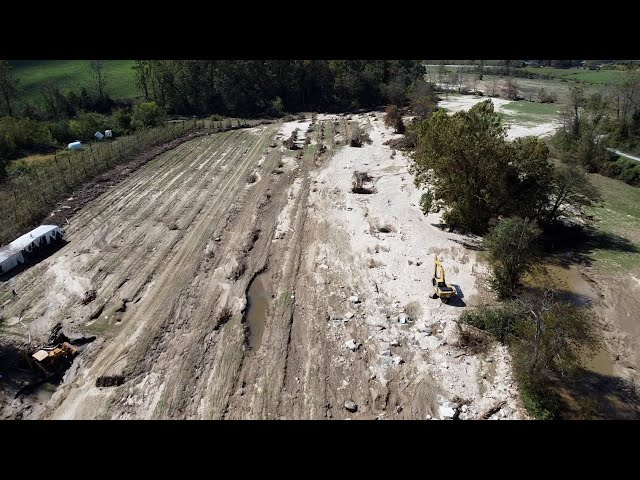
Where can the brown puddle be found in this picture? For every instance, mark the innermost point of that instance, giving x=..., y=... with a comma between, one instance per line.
x=44, y=392
x=601, y=363
x=573, y=287
x=257, y=307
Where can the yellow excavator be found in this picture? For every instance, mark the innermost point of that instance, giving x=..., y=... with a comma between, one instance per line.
x=51, y=358
x=440, y=287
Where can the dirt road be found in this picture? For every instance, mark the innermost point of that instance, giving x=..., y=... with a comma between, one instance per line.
x=172, y=252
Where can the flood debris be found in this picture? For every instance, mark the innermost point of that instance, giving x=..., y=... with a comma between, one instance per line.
x=352, y=345
x=493, y=410
x=351, y=406
x=89, y=296
x=110, y=380
x=361, y=183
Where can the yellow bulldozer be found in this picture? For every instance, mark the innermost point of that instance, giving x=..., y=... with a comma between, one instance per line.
x=440, y=287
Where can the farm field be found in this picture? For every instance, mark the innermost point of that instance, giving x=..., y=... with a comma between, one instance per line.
x=74, y=74
x=602, y=77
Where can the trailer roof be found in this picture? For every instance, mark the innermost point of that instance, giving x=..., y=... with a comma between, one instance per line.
x=25, y=240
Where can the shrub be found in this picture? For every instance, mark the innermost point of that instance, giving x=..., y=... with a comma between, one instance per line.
x=545, y=96
x=358, y=136
x=86, y=124
x=512, y=250
x=500, y=321
x=23, y=134
x=426, y=202
x=147, y=115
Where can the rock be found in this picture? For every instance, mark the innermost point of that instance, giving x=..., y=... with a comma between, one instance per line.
x=217, y=239
x=351, y=406
x=410, y=262
x=385, y=353
x=453, y=405
x=395, y=343
x=348, y=315
x=398, y=409
x=322, y=266
x=428, y=417
x=418, y=264
x=351, y=345
x=464, y=408
x=354, y=299
x=446, y=413
x=334, y=317
x=397, y=360
x=403, y=318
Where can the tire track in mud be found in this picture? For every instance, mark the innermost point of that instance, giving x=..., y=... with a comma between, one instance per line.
x=201, y=320
x=214, y=188
x=133, y=247
x=182, y=265
x=186, y=269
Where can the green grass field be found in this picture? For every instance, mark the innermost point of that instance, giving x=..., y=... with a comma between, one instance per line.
x=600, y=77
x=619, y=220
x=530, y=112
x=532, y=108
x=73, y=74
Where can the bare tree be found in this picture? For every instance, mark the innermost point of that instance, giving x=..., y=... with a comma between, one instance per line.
x=576, y=102
x=511, y=89
x=475, y=79
x=460, y=81
x=442, y=72
x=447, y=82
x=494, y=85
x=50, y=94
x=8, y=86
x=99, y=76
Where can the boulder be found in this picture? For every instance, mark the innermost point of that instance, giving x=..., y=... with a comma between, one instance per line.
x=351, y=345
x=351, y=406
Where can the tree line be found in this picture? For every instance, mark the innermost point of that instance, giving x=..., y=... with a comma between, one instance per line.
x=607, y=117
x=232, y=88
x=272, y=87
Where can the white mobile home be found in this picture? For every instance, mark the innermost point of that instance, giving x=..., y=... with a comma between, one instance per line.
x=18, y=251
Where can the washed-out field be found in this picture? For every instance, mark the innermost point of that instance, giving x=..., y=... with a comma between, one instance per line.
x=338, y=323
x=236, y=278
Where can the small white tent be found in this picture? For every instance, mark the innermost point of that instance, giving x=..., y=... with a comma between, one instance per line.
x=99, y=135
